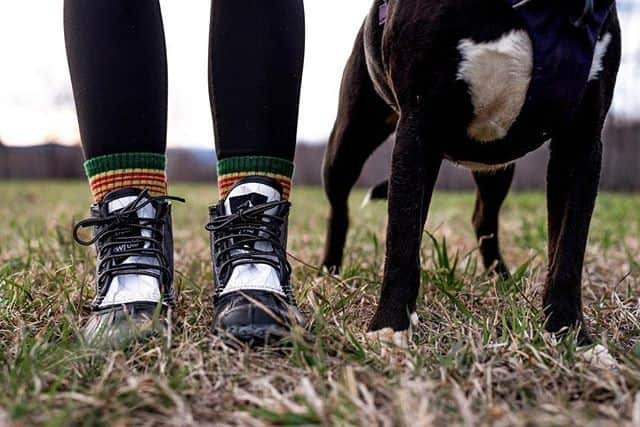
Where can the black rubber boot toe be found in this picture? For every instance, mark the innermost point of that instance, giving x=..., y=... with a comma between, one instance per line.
x=125, y=325
x=256, y=317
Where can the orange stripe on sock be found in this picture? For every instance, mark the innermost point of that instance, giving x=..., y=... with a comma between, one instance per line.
x=151, y=187
x=224, y=186
x=233, y=178
x=228, y=184
x=154, y=181
x=154, y=191
x=130, y=176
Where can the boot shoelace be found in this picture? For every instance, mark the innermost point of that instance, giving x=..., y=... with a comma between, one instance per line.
x=121, y=235
x=245, y=238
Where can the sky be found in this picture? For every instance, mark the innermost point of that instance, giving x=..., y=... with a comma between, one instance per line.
x=36, y=104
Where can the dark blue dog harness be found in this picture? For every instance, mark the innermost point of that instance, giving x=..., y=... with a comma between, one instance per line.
x=563, y=51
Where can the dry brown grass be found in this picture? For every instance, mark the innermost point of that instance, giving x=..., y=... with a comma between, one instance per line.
x=478, y=356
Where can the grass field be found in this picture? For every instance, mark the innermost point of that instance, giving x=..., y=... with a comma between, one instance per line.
x=478, y=356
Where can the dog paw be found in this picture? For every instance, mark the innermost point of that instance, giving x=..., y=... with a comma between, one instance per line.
x=388, y=337
x=599, y=357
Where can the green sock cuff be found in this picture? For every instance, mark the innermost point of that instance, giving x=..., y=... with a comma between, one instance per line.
x=110, y=162
x=270, y=165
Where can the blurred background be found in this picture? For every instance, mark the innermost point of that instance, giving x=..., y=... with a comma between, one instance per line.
x=38, y=126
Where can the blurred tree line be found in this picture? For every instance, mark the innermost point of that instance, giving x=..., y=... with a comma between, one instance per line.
x=54, y=161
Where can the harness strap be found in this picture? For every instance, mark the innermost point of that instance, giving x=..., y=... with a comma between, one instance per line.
x=383, y=12
x=563, y=49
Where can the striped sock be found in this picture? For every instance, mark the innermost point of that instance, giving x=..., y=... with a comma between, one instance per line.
x=233, y=169
x=127, y=170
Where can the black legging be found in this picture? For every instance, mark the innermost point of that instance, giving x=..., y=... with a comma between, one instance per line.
x=117, y=57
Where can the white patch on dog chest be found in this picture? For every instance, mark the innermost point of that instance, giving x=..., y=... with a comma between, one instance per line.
x=498, y=74
x=601, y=50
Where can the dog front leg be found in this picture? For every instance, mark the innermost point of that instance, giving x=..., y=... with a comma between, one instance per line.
x=573, y=179
x=414, y=171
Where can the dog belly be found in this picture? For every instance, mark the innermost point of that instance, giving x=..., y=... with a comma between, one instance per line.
x=498, y=74
x=468, y=153
x=483, y=167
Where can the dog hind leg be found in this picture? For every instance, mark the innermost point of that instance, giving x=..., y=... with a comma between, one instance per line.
x=364, y=122
x=492, y=189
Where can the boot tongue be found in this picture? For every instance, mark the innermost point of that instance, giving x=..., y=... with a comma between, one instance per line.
x=132, y=287
x=118, y=200
x=121, y=199
x=251, y=192
x=247, y=193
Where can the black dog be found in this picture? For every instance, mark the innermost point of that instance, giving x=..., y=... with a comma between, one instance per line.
x=480, y=83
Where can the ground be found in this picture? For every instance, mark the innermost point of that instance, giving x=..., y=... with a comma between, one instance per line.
x=477, y=357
